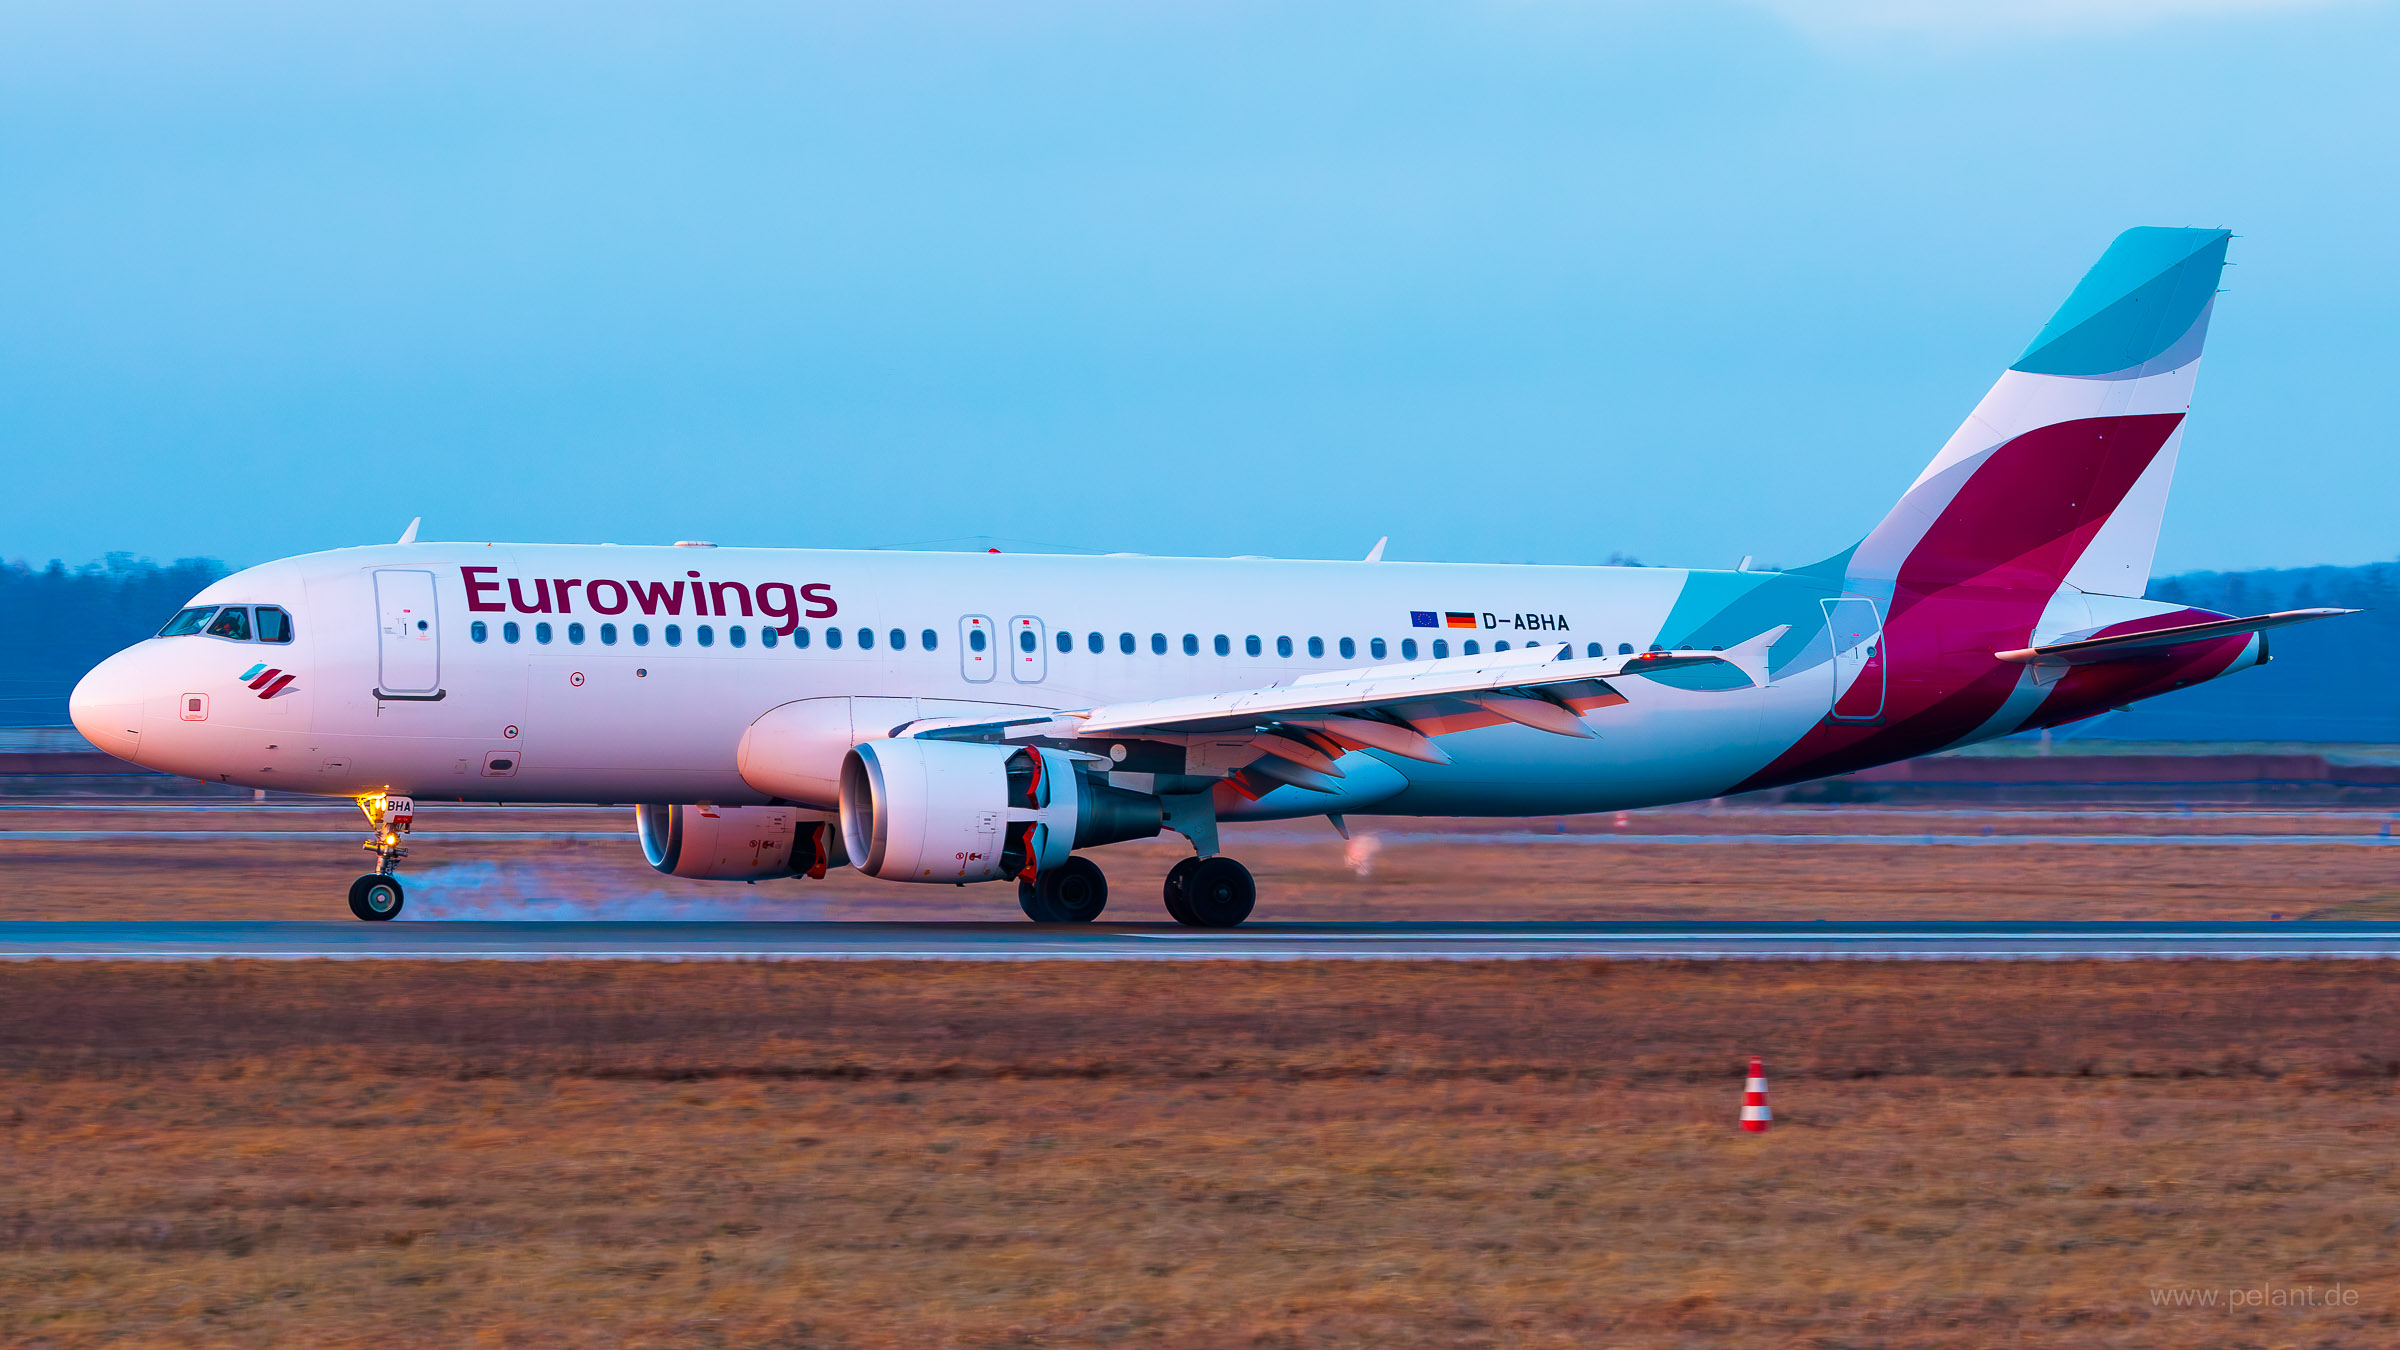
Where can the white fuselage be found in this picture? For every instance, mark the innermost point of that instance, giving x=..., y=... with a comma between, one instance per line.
x=435, y=700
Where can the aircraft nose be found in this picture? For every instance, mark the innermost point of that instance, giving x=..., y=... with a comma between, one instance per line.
x=107, y=706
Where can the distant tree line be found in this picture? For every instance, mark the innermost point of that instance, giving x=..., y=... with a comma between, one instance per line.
x=62, y=620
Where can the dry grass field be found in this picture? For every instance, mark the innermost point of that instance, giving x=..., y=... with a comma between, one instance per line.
x=1337, y=1155
x=464, y=865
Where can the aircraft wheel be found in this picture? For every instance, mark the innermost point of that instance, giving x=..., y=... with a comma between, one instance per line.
x=1075, y=891
x=376, y=897
x=1177, y=877
x=1218, y=894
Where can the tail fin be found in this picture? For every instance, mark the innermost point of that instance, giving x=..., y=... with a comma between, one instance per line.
x=2060, y=475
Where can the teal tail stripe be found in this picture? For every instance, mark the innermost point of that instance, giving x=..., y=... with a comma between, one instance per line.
x=2139, y=300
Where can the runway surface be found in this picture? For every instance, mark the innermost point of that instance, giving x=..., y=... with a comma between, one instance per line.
x=1167, y=942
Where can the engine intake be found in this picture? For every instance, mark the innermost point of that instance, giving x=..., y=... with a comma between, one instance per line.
x=947, y=811
x=737, y=843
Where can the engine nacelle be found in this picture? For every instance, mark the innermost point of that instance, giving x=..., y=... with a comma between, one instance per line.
x=738, y=843
x=949, y=811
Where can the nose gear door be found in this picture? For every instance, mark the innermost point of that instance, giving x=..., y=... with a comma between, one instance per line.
x=1858, y=666
x=409, y=634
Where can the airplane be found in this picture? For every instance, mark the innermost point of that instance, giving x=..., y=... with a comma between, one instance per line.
x=977, y=717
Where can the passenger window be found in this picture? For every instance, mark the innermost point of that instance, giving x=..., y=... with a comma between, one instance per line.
x=866, y=639
x=799, y=639
x=231, y=622
x=1624, y=649
x=899, y=639
x=187, y=622
x=833, y=639
x=1191, y=644
x=1594, y=649
x=1441, y=648
x=575, y=633
x=1470, y=647
x=1225, y=647
x=1066, y=640
x=1316, y=647
x=608, y=635
x=926, y=640
x=1375, y=648
x=1158, y=644
x=1025, y=640
x=975, y=640
x=1250, y=644
x=1408, y=649
x=1349, y=649
x=541, y=633
x=641, y=635
x=509, y=632
x=1096, y=643
x=1126, y=644
x=736, y=635
x=1500, y=646
x=274, y=625
x=477, y=632
x=766, y=635
x=1283, y=646
x=707, y=635
x=674, y=634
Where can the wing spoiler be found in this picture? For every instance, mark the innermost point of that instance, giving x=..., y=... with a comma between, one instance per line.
x=2128, y=646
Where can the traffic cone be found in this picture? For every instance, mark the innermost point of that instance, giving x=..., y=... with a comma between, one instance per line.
x=1755, y=1115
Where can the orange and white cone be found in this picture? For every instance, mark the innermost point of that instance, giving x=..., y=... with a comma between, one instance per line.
x=1755, y=1115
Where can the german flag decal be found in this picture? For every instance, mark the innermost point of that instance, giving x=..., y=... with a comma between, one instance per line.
x=1458, y=620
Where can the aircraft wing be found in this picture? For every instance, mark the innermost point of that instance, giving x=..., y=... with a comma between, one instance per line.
x=2129, y=646
x=1294, y=733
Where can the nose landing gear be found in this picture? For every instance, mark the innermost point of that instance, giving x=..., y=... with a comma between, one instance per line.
x=378, y=895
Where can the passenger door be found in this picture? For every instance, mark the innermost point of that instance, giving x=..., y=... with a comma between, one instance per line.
x=410, y=656
x=1858, y=666
x=1028, y=654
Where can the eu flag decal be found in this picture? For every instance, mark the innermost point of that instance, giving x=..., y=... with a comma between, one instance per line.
x=1422, y=618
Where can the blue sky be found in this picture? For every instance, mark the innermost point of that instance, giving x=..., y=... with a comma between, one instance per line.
x=1524, y=281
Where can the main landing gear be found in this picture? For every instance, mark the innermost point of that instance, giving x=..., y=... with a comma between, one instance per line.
x=1075, y=891
x=1201, y=893
x=1210, y=892
x=378, y=895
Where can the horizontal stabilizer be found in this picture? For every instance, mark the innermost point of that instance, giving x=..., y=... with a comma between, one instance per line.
x=2130, y=646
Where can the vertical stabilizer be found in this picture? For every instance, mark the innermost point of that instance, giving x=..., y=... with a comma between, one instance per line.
x=2060, y=475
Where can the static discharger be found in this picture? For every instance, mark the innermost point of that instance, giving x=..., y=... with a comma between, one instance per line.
x=1755, y=1115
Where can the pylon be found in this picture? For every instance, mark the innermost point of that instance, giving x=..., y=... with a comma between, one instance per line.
x=1755, y=1115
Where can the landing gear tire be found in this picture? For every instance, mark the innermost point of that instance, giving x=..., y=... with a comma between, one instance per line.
x=1075, y=891
x=1217, y=894
x=376, y=897
x=1178, y=877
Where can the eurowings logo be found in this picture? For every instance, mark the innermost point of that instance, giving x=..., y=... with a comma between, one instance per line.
x=266, y=679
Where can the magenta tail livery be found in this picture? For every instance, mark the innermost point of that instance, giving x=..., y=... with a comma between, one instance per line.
x=980, y=717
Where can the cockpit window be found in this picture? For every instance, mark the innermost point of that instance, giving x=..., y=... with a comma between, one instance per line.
x=274, y=624
x=187, y=622
x=233, y=622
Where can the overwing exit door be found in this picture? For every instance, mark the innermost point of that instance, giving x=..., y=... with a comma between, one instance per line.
x=978, y=648
x=409, y=634
x=1858, y=666
x=1028, y=658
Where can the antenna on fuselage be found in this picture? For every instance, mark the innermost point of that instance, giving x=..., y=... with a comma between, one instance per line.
x=409, y=535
